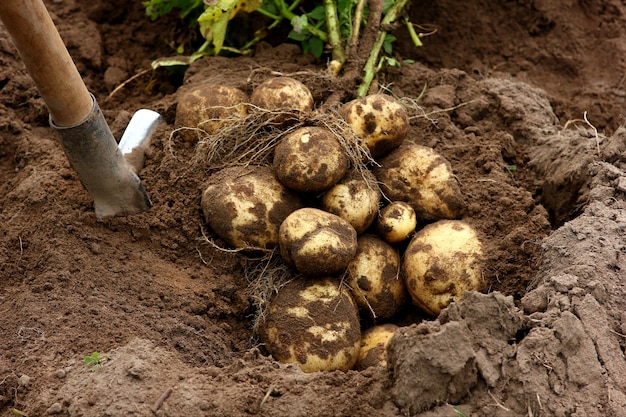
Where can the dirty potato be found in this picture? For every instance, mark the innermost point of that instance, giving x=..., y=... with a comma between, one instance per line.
x=396, y=222
x=246, y=206
x=355, y=198
x=379, y=120
x=374, y=278
x=313, y=323
x=423, y=178
x=282, y=94
x=374, y=341
x=310, y=159
x=317, y=243
x=442, y=262
x=207, y=109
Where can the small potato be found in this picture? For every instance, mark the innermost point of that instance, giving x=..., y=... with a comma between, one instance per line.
x=207, y=109
x=355, y=198
x=313, y=323
x=374, y=343
x=374, y=278
x=396, y=221
x=424, y=179
x=317, y=243
x=310, y=159
x=379, y=120
x=441, y=263
x=246, y=206
x=282, y=94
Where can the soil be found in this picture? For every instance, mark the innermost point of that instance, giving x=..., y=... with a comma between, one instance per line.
x=507, y=87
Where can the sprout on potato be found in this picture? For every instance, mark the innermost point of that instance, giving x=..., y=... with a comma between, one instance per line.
x=396, y=221
x=423, y=178
x=310, y=159
x=282, y=94
x=317, y=243
x=313, y=323
x=355, y=198
x=441, y=263
x=374, y=341
x=379, y=120
x=246, y=206
x=374, y=278
x=207, y=109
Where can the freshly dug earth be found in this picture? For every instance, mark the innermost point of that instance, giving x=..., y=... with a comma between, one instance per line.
x=507, y=85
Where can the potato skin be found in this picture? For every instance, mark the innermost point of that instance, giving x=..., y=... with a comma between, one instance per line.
x=441, y=263
x=421, y=177
x=313, y=323
x=317, y=243
x=310, y=159
x=246, y=206
x=396, y=221
x=374, y=343
x=282, y=94
x=379, y=120
x=355, y=198
x=208, y=108
x=374, y=278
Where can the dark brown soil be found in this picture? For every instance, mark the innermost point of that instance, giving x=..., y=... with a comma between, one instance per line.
x=507, y=86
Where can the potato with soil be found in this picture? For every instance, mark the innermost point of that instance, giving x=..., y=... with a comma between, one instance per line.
x=396, y=222
x=313, y=323
x=374, y=341
x=374, y=278
x=282, y=94
x=317, y=243
x=441, y=263
x=355, y=198
x=423, y=178
x=379, y=120
x=310, y=160
x=246, y=206
x=207, y=109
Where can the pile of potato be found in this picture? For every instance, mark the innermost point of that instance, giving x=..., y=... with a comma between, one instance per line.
x=363, y=239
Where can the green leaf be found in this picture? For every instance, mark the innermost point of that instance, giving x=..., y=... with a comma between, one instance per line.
x=298, y=36
x=299, y=23
x=319, y=13
x=315, y=47
x=387, y=43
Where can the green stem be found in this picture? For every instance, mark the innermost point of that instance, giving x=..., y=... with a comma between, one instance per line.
x=334, y=34
x=288, y=14
x=370, y=66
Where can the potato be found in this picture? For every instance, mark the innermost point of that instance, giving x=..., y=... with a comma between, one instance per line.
x=374, y=341
x=310, y=159
x=317, y=243
x=246, y=206
x=374, y=278
x=424, y=179
x=396, y=221
x=441, y=263
x=355, y=199
x=379, y=120
x=282, y=94
x=313, y=323
x=207, y=109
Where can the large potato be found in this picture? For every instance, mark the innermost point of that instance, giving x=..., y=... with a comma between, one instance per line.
x=424, y=179
x=441, y=263
x=355, y=198
x=313, y=323
x=379, y=120
x=282, y=94
x=310, y=159
x=374, y=278
x=246, y=206
x=207, y=109
x=374, y=341
x=317, y=243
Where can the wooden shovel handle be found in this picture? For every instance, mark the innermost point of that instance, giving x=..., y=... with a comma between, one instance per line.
x=47, y=60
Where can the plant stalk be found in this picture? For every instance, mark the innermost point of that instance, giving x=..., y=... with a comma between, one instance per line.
x=334, y=35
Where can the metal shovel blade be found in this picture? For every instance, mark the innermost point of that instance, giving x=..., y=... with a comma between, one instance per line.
x=137, y=136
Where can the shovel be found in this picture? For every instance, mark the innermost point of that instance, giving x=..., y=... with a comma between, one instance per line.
x=83, y=132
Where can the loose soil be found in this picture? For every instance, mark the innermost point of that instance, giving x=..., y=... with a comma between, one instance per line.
x=507, y=86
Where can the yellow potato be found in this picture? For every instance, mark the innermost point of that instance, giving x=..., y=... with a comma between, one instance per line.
x=396, y=222
x=441, y=263
x=313, y=323
x=246, y=206
x=355, y=199
x=423, y=178
x=207, y=109
x=374, y=343
x=379, y=120
x=282, y=94
x=317, y=243
x=374, y=278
